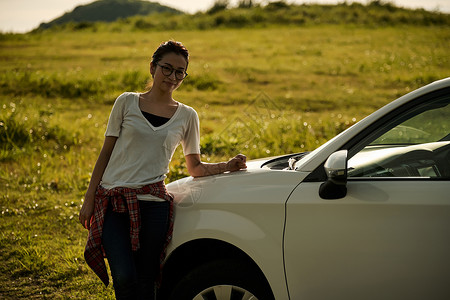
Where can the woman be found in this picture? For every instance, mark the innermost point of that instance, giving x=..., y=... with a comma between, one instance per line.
x=127, y=208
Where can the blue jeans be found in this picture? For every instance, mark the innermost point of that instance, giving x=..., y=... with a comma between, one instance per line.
x=134, y=272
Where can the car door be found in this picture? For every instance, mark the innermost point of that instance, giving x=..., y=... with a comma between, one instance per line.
x=388, y=237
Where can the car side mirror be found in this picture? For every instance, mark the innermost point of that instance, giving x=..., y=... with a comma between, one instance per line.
x=336, y=169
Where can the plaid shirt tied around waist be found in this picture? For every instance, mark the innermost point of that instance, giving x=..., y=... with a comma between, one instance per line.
x=123, y=200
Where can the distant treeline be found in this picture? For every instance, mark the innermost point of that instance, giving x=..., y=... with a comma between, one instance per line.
x=247, y=14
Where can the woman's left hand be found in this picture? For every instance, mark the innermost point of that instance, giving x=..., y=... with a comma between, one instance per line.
x=237, y=163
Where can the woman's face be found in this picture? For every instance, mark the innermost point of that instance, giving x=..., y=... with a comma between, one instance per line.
x=169, y=62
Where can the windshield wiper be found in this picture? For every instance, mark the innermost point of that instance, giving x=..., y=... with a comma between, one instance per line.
x=292, y=160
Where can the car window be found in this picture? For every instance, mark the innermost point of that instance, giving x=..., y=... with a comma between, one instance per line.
x=416, y=143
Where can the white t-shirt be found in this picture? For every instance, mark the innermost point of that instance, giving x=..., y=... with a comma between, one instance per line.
x=142, y=152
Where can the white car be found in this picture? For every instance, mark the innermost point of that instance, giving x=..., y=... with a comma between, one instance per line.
x=364, y=216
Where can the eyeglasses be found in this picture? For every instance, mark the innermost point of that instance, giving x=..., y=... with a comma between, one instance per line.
x=168, y=70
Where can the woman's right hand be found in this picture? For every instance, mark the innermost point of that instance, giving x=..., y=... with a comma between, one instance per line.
x=86, y=212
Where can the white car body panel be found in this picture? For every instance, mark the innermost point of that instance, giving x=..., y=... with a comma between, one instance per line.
x=248, y=209
x=241, y=221
x=376, y=217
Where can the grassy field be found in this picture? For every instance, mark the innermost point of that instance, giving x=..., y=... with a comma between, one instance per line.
x=288, y=88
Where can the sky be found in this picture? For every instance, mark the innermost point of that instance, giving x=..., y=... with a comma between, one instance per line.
x=21, y=16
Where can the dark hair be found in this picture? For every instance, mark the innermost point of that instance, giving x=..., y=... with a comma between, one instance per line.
x=170, y=47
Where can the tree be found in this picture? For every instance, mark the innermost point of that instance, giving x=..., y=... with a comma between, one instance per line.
x=245, y=4
x=218, y=5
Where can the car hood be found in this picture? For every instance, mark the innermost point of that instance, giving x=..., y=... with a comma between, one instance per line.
x=259, y=174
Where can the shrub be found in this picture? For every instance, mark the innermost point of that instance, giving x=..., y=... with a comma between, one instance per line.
x=143, y=24
x=19, y=134
x=202, y=82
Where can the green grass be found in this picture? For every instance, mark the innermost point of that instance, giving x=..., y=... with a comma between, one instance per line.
x=289, y=88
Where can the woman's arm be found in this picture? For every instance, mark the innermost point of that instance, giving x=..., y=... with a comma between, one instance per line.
x=197, y=168
x=87, y=210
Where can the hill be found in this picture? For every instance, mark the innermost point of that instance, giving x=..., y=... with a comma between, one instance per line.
x=373, y=14
x=109, y=11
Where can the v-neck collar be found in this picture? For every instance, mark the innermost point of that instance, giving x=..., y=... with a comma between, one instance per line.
x=156, y=128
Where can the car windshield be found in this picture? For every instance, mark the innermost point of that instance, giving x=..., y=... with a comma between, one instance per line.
x=414, y=144
x=429, y=126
